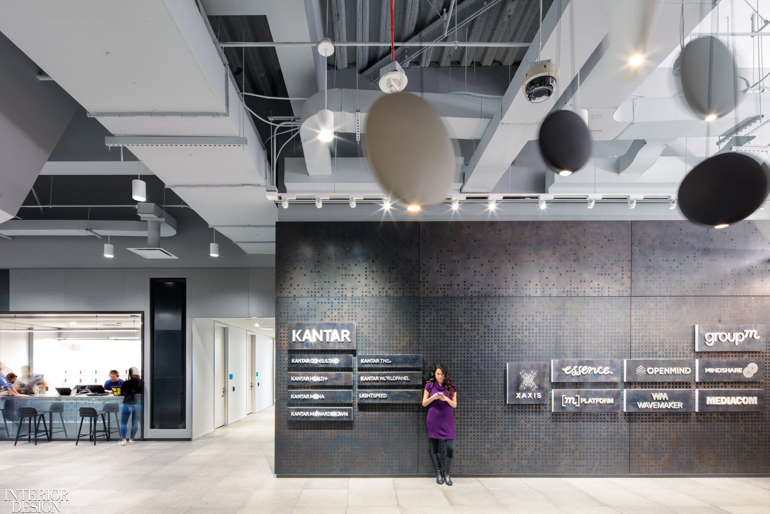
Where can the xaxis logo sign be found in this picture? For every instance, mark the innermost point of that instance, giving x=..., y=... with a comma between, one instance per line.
x=527, y=383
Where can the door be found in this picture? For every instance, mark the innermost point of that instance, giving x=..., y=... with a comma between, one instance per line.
x=263, y=372
x=220, y=381
x=252, y=371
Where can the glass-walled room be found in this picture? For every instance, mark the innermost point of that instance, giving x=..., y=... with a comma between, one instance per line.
x=58, y=363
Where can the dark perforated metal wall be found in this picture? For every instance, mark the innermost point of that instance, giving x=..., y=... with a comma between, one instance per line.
x=478, y=295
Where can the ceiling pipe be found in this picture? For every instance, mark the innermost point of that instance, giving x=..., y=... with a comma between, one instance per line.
x=343, y=44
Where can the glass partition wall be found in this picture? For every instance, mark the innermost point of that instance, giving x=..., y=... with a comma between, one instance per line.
x=61, y=362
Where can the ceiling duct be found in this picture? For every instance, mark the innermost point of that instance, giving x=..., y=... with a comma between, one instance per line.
x=155, y=217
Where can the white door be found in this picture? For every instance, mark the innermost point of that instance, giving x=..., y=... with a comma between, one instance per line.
x=252, y=371
x=264, y=372
x=220, y=382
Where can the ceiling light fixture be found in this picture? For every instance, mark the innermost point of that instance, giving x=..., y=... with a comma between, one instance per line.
x=672, y=203
x=285, y=203
x=325, y=116
x=636, y=60
x=413, y=208
x=632, y=203
x=386, y=205
x=565, y=142
x=319, y=203
x=455, y=205
x=711, y=117
x=73, y=323
x=352, y=203
x=256, y=323
x=541, y=204
x=214, y=247
x=109, y=250
x=138, y=186
x=492, y=205
x=565, y=173
x=722, y=225
x=591, y=203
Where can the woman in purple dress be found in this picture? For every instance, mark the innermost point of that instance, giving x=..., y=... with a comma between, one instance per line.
x=440, y=396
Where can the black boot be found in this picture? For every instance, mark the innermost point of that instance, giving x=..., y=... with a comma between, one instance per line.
x=447, y=467
x=437, y=463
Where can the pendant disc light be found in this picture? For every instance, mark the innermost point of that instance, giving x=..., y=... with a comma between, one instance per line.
x=724, y=189
x=409, y=150
x=565, y=142
x=709, y=78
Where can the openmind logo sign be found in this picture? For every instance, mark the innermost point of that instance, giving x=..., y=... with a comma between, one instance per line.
x=641, y=370
x=36, y=500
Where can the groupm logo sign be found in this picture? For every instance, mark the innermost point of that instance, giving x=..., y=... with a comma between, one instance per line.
x=730, y=338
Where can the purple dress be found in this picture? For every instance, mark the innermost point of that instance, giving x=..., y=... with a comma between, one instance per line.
x=441, y=420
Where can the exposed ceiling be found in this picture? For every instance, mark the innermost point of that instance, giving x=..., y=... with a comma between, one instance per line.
x=155, y=68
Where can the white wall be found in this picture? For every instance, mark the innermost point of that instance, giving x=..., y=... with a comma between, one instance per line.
x=89, y=362
x=203, y=373
x=238, y=374
x=211, y=293
x=264, y=367
x=14, y=352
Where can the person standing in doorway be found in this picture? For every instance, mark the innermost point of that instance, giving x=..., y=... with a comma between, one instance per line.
x=440, y=397
x=131, y=390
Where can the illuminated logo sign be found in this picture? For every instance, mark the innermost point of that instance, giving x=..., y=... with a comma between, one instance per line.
x=527, y=382
x=730, y=338
x=322, y=336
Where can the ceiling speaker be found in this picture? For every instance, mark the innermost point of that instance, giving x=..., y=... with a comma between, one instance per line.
x=723, y=190
x=409, y=150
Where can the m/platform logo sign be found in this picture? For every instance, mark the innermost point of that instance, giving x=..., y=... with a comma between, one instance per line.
x=322, y=336
x=36, y=500
x=527, y=383
x=585, y=400
x=657, y=370
x=730, y=338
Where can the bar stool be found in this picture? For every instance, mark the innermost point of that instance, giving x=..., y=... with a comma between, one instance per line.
x=5, y=422
x=112, y=408
x=29, y=413
x=56, y=408
x=93, y=419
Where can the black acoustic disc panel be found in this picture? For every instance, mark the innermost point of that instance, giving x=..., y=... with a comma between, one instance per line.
x=723, y=189
x=565, y=141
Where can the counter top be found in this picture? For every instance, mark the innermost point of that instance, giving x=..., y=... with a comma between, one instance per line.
x=50, y=397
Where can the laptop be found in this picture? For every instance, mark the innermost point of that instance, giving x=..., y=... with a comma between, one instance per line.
x=64, y=391
x=96, y=389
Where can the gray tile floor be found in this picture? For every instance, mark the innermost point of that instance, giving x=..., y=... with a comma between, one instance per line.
x=231, y=471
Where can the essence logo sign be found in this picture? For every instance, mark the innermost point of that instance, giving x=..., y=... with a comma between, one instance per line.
x=730, y=338
x=585, y=370
x=527, y=383
x=36, y=500
x=322, y=336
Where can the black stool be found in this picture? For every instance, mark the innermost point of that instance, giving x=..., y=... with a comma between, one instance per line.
x=93, y=419
x=56, y=408
x=112, y=408
x=29, y=413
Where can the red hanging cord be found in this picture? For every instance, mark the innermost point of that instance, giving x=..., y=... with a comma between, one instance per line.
x=392, y=34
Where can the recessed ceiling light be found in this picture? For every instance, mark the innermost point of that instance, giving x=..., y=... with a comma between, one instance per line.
x=636, y=60
x=413, y=208
x=711, y=117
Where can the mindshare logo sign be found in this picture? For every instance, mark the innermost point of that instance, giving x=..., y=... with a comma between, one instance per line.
x=36, y=500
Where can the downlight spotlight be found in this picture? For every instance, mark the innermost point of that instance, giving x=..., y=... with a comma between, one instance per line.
x=214, y=249
x=386, y=205
x=672, y=203
x=722, y=225
x=711, y=117
x=138, y=190
x=636, y=60
x=492, y=205
x=325, y=125
x=109, y=251
x=413, y=208
x=631, y=203
x=591, y=203
x=319, y=203
x=565, y=173
x=455, y=205
x=285, y=203
x=352, y=203
x=541, y=204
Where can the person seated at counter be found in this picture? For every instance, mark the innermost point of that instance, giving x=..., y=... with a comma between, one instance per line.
x=13, y=379
x=27, y=382
x=7, y=385
x=114, y=384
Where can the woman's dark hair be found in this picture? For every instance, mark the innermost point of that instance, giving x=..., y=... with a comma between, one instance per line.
x=448, y=384
x=11, y=375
